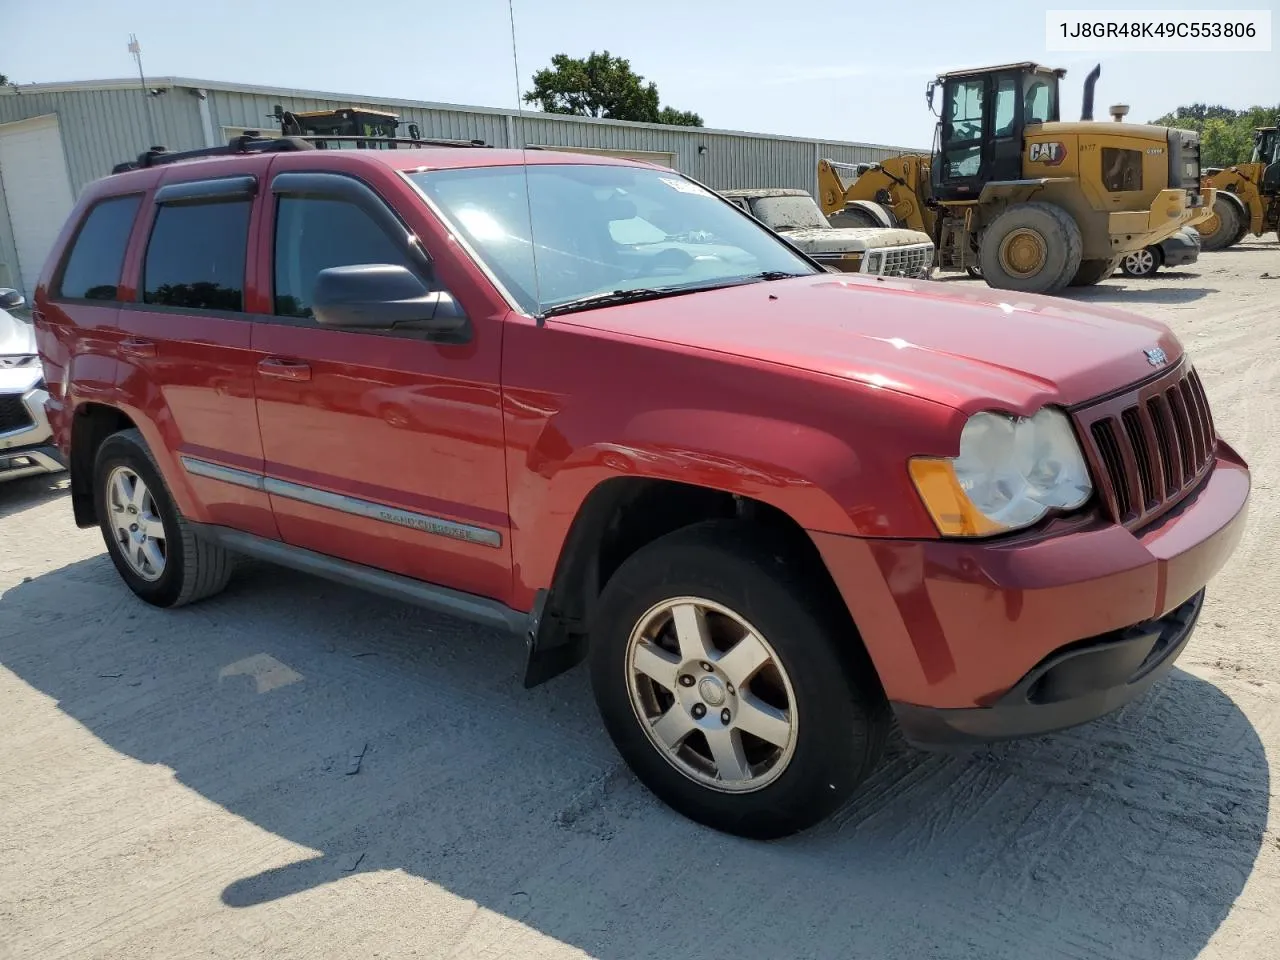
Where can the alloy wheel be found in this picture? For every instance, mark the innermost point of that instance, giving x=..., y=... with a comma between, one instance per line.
x=711, y=695
x=135, y=521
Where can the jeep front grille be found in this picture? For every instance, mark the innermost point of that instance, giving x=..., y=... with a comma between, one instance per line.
x=1149, y=447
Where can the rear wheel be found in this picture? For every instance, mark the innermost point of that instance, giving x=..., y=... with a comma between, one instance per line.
x=1219, y=231
x=1094, y=271
x=154, y=549
x=730, y=684
x=1141, y=263
x=1032, y=248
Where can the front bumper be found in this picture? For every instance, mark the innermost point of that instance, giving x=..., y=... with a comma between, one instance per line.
x=26, y=442
x=1180, y=249
x=1169, y=212
x=960, y=632
x=1072, y=686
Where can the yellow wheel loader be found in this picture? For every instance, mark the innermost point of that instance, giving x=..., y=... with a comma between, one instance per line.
x=1248, y=199
x=1020, y=198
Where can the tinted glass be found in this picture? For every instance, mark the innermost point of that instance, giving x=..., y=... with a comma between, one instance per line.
x=1006, y=101
x=93, y=268
x=195, y=259
x=598, y=228
x=1121, y=169
x=313, y=235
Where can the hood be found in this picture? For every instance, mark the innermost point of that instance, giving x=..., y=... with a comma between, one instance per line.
x=852, y=239
x=17, y=337
x=970, y=350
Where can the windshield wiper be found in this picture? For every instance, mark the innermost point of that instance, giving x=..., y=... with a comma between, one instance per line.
x=775, y=275
x=593, y=300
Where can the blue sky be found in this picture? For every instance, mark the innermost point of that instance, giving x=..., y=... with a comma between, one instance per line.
x=765, y=65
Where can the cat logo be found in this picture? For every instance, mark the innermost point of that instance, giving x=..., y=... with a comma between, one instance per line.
x=1050, y=154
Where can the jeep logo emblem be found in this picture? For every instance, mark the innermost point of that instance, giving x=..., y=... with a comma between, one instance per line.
x=1050, y=154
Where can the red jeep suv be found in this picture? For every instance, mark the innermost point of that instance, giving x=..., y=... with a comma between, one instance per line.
x=592, y=403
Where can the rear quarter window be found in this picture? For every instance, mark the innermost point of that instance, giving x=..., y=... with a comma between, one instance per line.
x=94, y=263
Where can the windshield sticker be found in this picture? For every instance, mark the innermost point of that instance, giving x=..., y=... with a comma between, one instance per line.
x=684, y=186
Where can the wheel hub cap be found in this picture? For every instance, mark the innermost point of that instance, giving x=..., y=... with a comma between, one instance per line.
x=712, y=691
x=711, y=695
x=1023, y=253
x=136, y=524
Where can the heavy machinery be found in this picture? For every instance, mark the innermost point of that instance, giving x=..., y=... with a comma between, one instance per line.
x=1248, y=200
x=352, y=127
x=1014, y=195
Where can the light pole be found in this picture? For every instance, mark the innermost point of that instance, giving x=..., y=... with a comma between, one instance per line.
x=136, y=49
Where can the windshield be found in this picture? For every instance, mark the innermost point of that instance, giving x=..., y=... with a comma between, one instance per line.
x=789, y=213
x=601, y=228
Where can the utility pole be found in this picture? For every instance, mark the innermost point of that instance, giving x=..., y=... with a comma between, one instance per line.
x=136, y=49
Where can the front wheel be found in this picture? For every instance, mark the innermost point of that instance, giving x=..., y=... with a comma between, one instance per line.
x=1032, y=248
x=1140, y=263
x=730, y=684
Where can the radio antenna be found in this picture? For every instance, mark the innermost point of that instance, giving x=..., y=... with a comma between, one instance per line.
x=538, y=317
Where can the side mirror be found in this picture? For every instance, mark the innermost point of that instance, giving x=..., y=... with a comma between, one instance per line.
x=11, y=299
x=383, y=296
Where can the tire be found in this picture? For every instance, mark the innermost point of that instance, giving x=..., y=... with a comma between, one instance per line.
x=1093, y=272
x=853, y=217
x=1141, y=263
x=817, y=670
x=1039, y=225
x=192, y=568
x=1220, y=232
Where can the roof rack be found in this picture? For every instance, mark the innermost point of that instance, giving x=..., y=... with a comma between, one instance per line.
x=253, y=142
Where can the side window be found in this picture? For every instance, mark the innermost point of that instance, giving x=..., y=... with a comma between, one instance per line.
x=92, y=269
x=962, y=130
x=1037, y=102
x=1121, y=169
x=195, y=258
x=313, y=234
x=1006, y=100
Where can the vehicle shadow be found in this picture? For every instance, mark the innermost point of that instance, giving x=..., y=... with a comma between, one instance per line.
x=19, y=495
x=1130, y=837
x=1139, y=291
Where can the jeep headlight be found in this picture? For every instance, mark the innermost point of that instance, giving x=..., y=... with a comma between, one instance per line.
x=1010, y=472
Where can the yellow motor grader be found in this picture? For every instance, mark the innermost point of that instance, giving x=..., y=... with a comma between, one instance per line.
x=1014, y=195
x=1248, y=200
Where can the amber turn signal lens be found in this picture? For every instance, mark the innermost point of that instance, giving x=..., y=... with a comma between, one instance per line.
x=953, y=514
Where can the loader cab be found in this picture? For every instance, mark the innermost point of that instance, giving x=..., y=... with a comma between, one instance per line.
x=1266, y=151
x=346, y=127
x=982, y=118
x=1266, y=145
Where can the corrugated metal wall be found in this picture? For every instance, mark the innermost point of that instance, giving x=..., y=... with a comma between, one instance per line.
x=102, y=125
x=100, y=128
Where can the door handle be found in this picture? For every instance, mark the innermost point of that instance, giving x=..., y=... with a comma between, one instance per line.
x=137, y=348
x=284, y=369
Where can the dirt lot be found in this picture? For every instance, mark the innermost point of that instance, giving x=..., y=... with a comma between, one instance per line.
x=180, y=784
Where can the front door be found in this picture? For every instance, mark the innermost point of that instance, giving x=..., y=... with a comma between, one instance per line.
x=383, y=449
x=186, y=354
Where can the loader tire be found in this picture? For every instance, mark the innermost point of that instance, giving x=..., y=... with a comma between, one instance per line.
x=853, y=217
x=1220, y=230
x=1094, y=271
x=1032, y=248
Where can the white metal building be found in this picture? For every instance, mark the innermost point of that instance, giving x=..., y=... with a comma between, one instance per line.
x=57, y=137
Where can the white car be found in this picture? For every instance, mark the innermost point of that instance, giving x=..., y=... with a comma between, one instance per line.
x=26, y=442
x=796, y=216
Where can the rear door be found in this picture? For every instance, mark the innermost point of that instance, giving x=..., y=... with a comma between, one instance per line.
x=381, y=448
x=187, y=358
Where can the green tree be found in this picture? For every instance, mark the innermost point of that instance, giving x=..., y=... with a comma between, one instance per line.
x=605, y=86
x=1226, y=135
x=3, y=79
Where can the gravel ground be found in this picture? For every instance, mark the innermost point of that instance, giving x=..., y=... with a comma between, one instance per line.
x=298, y=770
